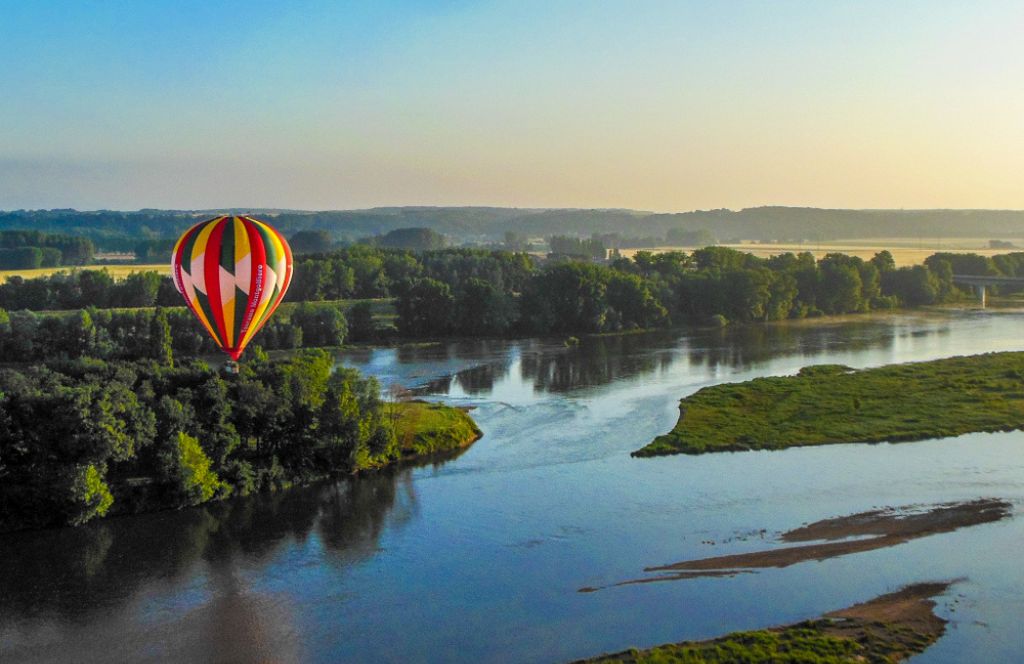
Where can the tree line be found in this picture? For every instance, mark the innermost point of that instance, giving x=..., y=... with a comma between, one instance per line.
x=157, y=333
x=714, y=284
x=356, y=272
x=82, y=438
x=27, y=250
x=471, y=292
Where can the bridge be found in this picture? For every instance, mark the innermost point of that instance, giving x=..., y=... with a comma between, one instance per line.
x=979, y=283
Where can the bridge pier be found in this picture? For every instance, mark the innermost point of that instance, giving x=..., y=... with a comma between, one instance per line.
x=979, y=290
x=979, y=283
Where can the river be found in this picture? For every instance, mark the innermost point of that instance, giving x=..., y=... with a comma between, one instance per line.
x=480, y=557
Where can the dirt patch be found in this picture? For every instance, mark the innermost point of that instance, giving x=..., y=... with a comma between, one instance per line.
x=911, y=607
x=875, y=529
x=906, y=522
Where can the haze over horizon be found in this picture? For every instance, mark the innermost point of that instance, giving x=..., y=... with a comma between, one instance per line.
x=662, y=106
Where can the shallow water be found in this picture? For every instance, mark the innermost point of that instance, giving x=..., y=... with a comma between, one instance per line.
x=479, y=558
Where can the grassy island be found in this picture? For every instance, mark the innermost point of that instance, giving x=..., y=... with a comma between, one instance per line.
x=889, y=628
x=429, y=428
x=835, y=404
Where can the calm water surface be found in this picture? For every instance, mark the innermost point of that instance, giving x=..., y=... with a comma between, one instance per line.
x=479, y=557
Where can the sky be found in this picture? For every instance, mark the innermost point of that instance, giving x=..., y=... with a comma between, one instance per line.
x=664, y=106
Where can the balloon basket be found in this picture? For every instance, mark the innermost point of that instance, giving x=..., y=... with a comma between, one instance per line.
x=231, y=368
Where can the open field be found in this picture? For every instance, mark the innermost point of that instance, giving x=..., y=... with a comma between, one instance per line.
x=116, y=271
x=835, y=404
x=905, y=251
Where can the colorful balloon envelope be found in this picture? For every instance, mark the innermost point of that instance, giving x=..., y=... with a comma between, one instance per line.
x=233, y=273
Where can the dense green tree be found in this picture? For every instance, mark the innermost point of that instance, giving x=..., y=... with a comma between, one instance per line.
x=24, y=336
x=968, y=264
x=159, y=342
x=22, y=258
x=310, y=279
x=747, y=294
x=416, y=239
x=51, y=257
x=724, y=258
x=96, y=287
x=567, y=297
x=88, y=495
x=310, y=242
x=78, y=334
x=341, y=441
x=426, y=309
x=912, y=286
x=321, y=325
x=361, y=324
x=870, y=284
x=632, y=304
x=196, y=482
x=839, y=284
x=782, y=296
x=483, y=309
x=884, y=261
x=138, y=289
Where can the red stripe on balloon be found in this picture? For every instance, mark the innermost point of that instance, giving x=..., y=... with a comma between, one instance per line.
x=211, y=275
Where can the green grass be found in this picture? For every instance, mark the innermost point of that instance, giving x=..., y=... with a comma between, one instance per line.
x=427, y=428
x=833, y=404
x=802, y=644
x=809, y=642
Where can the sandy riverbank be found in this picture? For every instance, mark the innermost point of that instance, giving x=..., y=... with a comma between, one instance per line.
x=856, y=533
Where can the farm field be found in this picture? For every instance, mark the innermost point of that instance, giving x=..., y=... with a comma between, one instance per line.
x=116, y=271
x=905, y=251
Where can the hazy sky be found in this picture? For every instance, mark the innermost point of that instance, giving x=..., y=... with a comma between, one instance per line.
x=650, y=105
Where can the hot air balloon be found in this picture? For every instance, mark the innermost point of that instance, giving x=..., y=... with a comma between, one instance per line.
x=233, y=273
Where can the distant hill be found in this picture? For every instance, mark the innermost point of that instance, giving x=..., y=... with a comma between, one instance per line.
x=112, y=230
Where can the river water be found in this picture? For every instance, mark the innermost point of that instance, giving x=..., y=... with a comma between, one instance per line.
x=480, y=557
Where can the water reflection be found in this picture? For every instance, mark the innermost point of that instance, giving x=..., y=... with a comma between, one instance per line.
x=237, y=625
x=75, y=572
x=745, y=347
x=596, y=361
x=548, y=366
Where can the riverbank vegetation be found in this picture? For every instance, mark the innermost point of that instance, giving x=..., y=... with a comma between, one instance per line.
x=835, y=404
x=84, y=438
x=889, y=628
x=474, y=292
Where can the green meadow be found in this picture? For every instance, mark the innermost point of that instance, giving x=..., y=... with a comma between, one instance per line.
x=835, y=404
